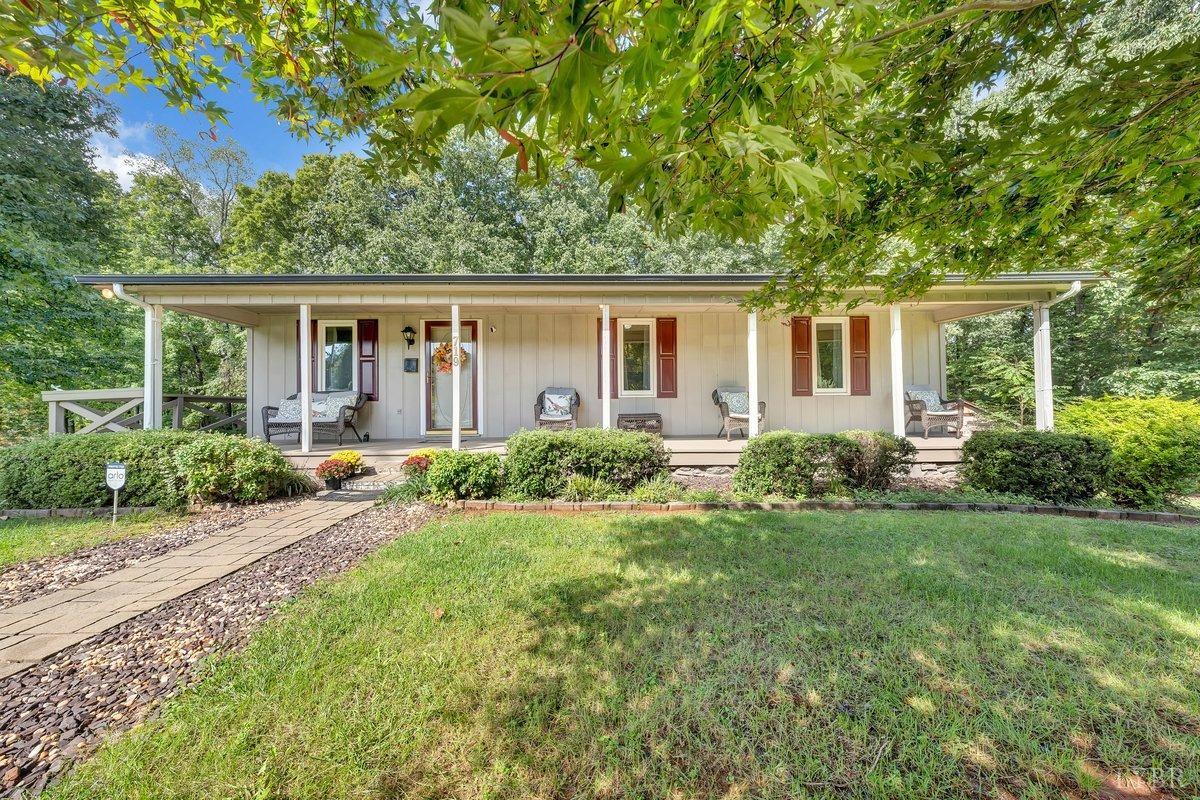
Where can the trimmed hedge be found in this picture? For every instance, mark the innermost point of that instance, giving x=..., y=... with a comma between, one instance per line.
x=1155, y=445
x=793, y=464
x=540, y=463
x=163, y=468
x=463, y=475
x=1055, y=467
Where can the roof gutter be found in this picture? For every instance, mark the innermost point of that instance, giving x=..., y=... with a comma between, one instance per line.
x=118, y=291
x=1076, y=288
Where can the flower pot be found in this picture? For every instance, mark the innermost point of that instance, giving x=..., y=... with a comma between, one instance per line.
x=333, y=484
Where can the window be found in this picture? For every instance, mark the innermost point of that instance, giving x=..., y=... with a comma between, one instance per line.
x=832, y=354
x=337, y=368
x=636, y=346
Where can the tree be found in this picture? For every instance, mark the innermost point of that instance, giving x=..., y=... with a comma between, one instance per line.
x=162, y=229
x=208, y=173
x=864, y=128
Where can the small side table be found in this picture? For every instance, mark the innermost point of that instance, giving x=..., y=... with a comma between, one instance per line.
x=650, y=423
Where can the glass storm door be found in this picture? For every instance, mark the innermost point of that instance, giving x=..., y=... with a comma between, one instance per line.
x=438, y=390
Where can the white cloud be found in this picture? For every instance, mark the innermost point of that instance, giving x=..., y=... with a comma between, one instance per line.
x=120, y=154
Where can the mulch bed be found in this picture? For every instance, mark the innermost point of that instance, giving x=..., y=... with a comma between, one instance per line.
x=62, y=708
x=31, y=579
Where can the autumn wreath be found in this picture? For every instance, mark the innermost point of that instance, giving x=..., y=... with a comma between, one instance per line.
x=442, y=357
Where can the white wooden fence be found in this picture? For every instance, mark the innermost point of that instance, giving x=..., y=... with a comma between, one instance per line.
x=92, y=410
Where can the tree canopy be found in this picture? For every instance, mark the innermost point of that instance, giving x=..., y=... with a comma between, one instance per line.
x=894, y=141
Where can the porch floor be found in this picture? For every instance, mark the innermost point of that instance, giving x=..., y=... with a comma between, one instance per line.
x=685, y=451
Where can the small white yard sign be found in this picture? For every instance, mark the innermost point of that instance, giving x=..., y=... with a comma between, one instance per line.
x=114, y=476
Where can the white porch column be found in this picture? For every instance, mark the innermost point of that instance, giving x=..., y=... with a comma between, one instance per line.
x=455, y=379
x=249, y=381
x=152, y=370
x=605, y=367
x=752, y=369
x=306, y=378
x=897, y=362
x=1043, y=380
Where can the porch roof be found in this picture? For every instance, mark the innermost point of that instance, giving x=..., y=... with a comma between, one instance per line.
x=244, y=298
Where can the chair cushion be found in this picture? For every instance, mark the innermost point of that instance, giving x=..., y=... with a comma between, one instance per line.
x=333, y=402
x=738, y=401
x=556, y=404
x=932, y=400
x=554, y=417
x=289, y=411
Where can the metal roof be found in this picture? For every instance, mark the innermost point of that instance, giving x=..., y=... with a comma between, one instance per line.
x=644, y=279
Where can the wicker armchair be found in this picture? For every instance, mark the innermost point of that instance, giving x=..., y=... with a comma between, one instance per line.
x=733, y=420
x=285, y=417
x=553, y=417
x=925, y=405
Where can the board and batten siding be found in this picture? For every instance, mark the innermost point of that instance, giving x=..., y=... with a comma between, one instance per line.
x=528, y=351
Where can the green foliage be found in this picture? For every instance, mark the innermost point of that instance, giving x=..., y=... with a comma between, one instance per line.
x=414, y=488
x=659, y=489
x=969, y=138
x=878, y=461
x=964, y=494
x=1155, y=445
x=791, y=464
x=1056, y=467
x=68, y=471
x=581, y=488
x=463, y=475
x=220, y=468
x=539, y=463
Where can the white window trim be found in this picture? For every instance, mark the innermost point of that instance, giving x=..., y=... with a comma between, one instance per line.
x=322, y=324
x=816, y=356
x=651, y=324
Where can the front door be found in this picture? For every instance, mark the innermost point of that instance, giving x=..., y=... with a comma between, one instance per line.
x=438, y=390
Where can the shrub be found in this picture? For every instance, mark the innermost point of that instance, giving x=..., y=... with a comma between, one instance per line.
x=581, y=488
x=68, y=471
x=539, y=463
x=878, y=461
x=460, y=475
x=791, y=464
x=417, y=463
x=659, y=489
x=351, y=457
x=415, y=487
x=216, y=467
x=1155, y=443
x=1056, y=467
x=332, y=468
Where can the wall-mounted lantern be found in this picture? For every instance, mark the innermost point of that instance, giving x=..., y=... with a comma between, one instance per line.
x=409, y=335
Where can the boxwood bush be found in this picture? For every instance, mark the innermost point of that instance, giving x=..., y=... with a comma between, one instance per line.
x=793, y=464
x=1054, y=467
x=463, y=475
x=1155, y=445
x=878, y=461
x=539, y=463
x=163, y=468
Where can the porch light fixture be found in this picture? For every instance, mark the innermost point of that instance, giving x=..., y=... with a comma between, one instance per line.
x=107, y=293
x=409, y=335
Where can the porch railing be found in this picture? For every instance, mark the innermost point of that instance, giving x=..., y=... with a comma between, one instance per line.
x=94, y=410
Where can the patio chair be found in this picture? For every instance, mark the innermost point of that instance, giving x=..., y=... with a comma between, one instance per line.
x=556, y=409
x=925, y=405
x=734, y=405
x=332, y=411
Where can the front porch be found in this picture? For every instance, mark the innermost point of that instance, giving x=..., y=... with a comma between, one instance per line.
x=387, y=455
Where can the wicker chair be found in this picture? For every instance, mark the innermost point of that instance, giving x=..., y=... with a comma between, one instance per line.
x=736, y=420
x=925, y=405
x=550, y=419
x=285, y=417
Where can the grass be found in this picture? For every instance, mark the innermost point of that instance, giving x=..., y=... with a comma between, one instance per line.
x=723, y=655
x=38, y=537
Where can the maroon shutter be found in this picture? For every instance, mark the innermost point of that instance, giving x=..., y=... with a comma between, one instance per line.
x=368, y=358
x=600, y=356
x=312, y=355
x=668, y=356
x=802, y=385
x=860, y=355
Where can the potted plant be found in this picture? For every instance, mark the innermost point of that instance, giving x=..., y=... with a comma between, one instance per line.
x=333, y=471
x=351, y=457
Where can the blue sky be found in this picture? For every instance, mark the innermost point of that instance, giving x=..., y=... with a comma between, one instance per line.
x=268, y=142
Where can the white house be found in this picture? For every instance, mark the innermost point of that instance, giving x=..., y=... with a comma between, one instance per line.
x=669, y=341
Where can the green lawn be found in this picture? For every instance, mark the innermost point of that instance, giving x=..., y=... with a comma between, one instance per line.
x=37, y=537
x=724, y=655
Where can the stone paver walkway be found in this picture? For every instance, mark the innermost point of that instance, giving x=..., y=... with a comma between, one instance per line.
x=33, y=630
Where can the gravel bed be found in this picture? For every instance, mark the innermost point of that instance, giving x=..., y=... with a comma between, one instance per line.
x=60, y=709
x=30, y=579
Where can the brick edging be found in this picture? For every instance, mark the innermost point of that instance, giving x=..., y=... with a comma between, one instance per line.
x=103, y=511
x=833, y=505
